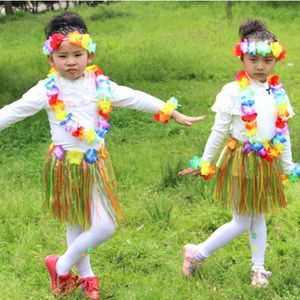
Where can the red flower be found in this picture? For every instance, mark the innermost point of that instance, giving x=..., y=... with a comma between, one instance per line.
x=161, y=117
x=282, y=55
x=273, y=80
x=103, y=115
x=99, y=72
x=249, y=118
x=78, y=131
x=237, y=50
x=268, y=157
x=56, y=40
x=54, y=102
x=241, y=74
x=53, y=99
x=280, y=123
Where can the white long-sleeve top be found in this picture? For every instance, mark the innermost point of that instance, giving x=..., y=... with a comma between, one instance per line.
x=229, y=117
x=79, y=97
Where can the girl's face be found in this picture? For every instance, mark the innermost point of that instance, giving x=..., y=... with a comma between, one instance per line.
x=259, y=67
x=70, y=60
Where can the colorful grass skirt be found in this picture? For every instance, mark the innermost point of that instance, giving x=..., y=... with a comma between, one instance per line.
x=248, y=182
x=69, y=178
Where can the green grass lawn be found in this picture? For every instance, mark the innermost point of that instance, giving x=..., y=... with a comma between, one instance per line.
x=181, y=49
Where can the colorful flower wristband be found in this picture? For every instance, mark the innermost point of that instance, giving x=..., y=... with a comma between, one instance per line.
x=293, y=176
x=166, y=111
x=207, y=170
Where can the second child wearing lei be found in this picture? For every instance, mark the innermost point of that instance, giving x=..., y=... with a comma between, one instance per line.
x=80, y=186
x=248, y=179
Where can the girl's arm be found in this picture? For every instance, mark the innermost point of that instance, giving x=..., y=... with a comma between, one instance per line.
x=215, y=140
x=126, y=97
x=30, y=103
x=286, y=156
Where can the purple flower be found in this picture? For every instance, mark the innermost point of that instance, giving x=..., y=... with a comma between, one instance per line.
x=59, y=152
x=247, y=110
x=103, y=125
x=246, y=147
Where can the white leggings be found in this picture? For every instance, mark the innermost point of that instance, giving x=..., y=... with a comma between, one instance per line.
x=81, y=241
x=255, y=224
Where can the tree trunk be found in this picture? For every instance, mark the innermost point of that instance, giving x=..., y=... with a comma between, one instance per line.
x=8, y=8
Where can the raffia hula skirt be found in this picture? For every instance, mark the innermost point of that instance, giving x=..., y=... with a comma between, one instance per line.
x=68, y=188
x=248, y=182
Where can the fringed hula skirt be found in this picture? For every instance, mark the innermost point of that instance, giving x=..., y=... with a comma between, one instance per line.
x=247, y=182
x=69, y=178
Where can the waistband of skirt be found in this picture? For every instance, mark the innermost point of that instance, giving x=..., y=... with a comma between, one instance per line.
x=75, y=156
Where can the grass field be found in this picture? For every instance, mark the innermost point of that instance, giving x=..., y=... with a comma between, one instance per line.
x=180, y=49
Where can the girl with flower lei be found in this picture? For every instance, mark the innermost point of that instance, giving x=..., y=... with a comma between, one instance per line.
x=80, y=186
x=248, y=176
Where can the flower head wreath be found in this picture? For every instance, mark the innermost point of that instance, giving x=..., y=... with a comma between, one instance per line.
x=82, y=40
x=259, y=47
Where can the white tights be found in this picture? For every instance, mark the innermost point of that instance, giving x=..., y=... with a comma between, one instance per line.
x=80, y=241
x=255, y=224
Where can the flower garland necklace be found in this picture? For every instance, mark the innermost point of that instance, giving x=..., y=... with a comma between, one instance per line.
x=265, y=149
x=67, y=120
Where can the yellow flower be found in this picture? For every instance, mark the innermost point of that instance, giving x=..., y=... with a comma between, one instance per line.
x=168, y=108
x=92, y=68
x=204, y=167
x=279, y=147
x=244, y=82
x=282, y=109
x=251, y=132
x=231, y=144
x=276, y=49
x=274, y=152
x=266, y=144
x=85, y=39
x=81, y=40
x=74, y=38
x=74, y=157
x=105, y=106
x=61, y=114
x=52, y=71
x=90, y=135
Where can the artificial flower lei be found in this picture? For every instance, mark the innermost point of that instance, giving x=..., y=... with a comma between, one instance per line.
x=81, y=40
x=68, y=121
x=265, y=149
x=166, y=111
x=260, y=47
x=207, y=170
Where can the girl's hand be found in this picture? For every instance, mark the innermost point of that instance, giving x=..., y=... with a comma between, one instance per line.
x=186, y=120
x=189, y=171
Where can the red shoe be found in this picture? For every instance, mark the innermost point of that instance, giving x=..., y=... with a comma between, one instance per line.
x=90, y=287
x=60, y=284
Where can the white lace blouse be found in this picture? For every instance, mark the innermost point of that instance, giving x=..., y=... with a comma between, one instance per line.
x=229, y=117
x=79, y=97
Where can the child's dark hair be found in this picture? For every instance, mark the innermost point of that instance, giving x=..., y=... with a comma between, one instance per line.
x=255, y=29
x=65, y=23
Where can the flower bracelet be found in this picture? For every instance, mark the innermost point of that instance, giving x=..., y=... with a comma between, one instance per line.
x=207, y=170
x=166, y=111
x=292, y=177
